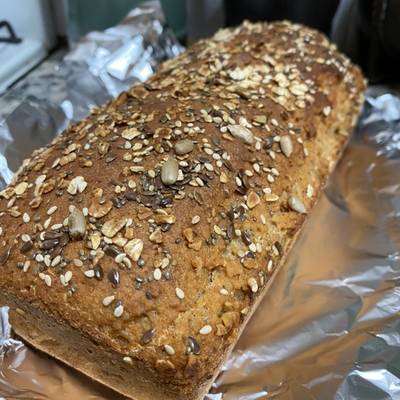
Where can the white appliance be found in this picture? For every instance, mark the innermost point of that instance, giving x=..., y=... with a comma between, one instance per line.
x=32, y=22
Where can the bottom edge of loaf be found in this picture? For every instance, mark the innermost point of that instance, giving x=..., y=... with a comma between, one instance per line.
x=105, y=366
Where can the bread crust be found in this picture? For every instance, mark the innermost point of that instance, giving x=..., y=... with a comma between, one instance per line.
x=187, y=193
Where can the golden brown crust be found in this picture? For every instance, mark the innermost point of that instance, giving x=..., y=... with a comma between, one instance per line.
x=187, y=193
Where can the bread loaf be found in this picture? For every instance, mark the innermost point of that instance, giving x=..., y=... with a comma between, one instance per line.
x=136, y=246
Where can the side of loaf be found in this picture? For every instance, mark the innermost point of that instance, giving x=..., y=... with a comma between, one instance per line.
x=136, y=245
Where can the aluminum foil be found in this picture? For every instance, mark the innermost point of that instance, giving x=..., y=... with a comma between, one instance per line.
x=98, y=68
x=328, y=328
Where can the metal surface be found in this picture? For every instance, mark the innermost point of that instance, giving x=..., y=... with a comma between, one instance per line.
x=328, y=328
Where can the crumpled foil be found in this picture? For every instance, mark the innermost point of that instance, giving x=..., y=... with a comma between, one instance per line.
x=328, y=328
x=100, y=66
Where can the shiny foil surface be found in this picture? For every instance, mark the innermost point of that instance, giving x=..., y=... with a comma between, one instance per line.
x=98, y=68
x=328, y=328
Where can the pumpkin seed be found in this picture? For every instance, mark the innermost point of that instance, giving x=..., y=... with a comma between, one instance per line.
x=169, y=171
x=242, y=133
x=184, y=146
x=286, y=145
x=76, y=224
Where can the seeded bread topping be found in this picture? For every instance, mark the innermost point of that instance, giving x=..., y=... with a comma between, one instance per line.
x=153, y=227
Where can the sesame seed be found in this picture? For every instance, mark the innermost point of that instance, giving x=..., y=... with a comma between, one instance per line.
x=118, y=311
x=26, y=266
x=39, y=258
x=108, y=300
x=218, y=230
x=326, y=110
x=56, y=227
x=47, y=223
x=25, y=217
x=128, y=360
x=157, y=274
x=47, y=280
x=224, y=292
x=179, y=293
x=253, y=285
x=310, y=191
x=169, y=349
x=77, y=262
x=208, y=167
x=270, y=266
x=205, y=330
x=85, y=211
x=25, y=238
x=89, y=273
x=270, y=178
x=195, y=219
x=56, y=260
x=67, y=276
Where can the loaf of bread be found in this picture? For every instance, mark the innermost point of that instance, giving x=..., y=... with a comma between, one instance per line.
x=136, y=246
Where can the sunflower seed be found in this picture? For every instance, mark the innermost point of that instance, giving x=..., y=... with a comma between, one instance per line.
x=114, y=277
x=146, y=338
x=193, y=345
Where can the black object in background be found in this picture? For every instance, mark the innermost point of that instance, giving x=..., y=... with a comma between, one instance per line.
x=315, y=13
x=368, y=31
